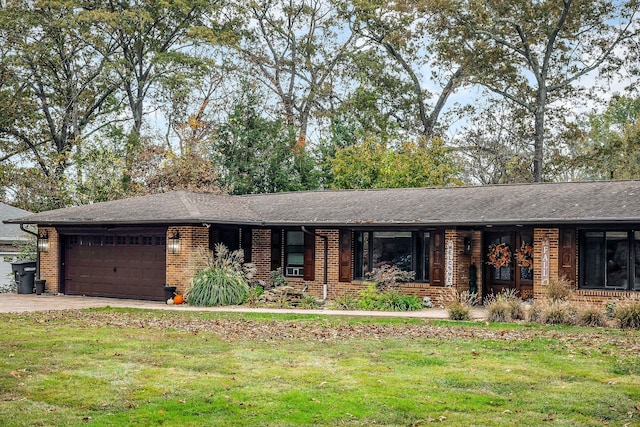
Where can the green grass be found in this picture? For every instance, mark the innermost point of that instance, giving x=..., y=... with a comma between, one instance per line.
x=131, y=367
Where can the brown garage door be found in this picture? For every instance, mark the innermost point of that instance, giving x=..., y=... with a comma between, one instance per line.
x=127, y=266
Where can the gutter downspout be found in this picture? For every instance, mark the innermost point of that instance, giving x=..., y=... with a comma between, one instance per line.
x=326, y=261
x=37, y=251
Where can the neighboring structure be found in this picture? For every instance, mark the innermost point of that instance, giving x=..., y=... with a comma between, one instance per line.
x=514, y=236
x=10, y=237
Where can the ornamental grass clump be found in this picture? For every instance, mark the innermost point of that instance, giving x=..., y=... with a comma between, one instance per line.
x=628, y=313
x=504, y=307
x=458, y=303
x=558, y=289
x=591, y=315
x=554, y=312
x=222, y=280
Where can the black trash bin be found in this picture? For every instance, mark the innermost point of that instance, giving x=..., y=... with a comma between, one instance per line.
x=40, y=284
x=169, y=292
x=24, y=273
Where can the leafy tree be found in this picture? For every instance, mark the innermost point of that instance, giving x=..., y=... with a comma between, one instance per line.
x=612, y=146
x=374, y=165
x=260, y=155
x=398, y=28
x=149, y=44
x=53, y=92
x=294, y=49
x=494, y=146
x=534, y=53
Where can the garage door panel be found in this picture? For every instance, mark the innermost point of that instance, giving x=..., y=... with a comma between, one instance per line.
x=124, y=269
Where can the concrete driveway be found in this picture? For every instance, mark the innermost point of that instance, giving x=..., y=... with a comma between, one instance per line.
x=19, y=303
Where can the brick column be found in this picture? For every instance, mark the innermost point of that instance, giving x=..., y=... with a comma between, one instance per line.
x=181, y=267
x=50, y=260
x=261, y=253
x=461, y=261
x=544, y=238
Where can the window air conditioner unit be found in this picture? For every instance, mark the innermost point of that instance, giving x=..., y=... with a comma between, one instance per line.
x=294, y=271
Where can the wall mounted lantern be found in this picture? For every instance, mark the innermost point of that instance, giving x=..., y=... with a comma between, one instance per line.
x=173, y=243
x=43, y=241
x=467, y=246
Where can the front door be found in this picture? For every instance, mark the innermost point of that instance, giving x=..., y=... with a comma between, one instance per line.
x=509, y=262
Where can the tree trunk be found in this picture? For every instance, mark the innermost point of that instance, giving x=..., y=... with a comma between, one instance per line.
x=538, y=139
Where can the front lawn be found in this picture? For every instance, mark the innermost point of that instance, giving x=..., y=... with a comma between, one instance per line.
x=132, y=367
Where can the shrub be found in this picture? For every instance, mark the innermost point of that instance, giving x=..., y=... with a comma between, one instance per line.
x=345, y=302
x=372, y=299
x=369, y=297
x=393, y=301
x=558, y=289
x=628, y=313
x=504, y=307
x=387, y=276
x=590, y=315
x=10, y=287
x=222, y=281
x=276, y=278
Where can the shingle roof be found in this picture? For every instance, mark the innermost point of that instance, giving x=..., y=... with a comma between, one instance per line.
x=548, y=203
x=8, y=232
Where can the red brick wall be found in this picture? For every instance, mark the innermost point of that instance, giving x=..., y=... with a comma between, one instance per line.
x=194, y=244
x=261, y=253
x=336, y=289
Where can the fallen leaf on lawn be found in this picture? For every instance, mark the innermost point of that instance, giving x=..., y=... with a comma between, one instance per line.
x=15, y=374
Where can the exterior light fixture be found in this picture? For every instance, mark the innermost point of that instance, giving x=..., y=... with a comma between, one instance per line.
x=467, y=246
x=173, y=243
x=43, y=241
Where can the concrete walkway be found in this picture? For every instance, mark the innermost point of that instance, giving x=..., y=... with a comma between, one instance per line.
x=19, y=303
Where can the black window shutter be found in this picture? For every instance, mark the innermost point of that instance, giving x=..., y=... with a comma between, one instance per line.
x=246, y=243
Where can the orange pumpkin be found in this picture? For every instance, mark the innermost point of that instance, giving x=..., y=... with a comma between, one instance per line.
x=178, y=299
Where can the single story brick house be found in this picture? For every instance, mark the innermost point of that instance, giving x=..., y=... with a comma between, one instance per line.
x=507, y=236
